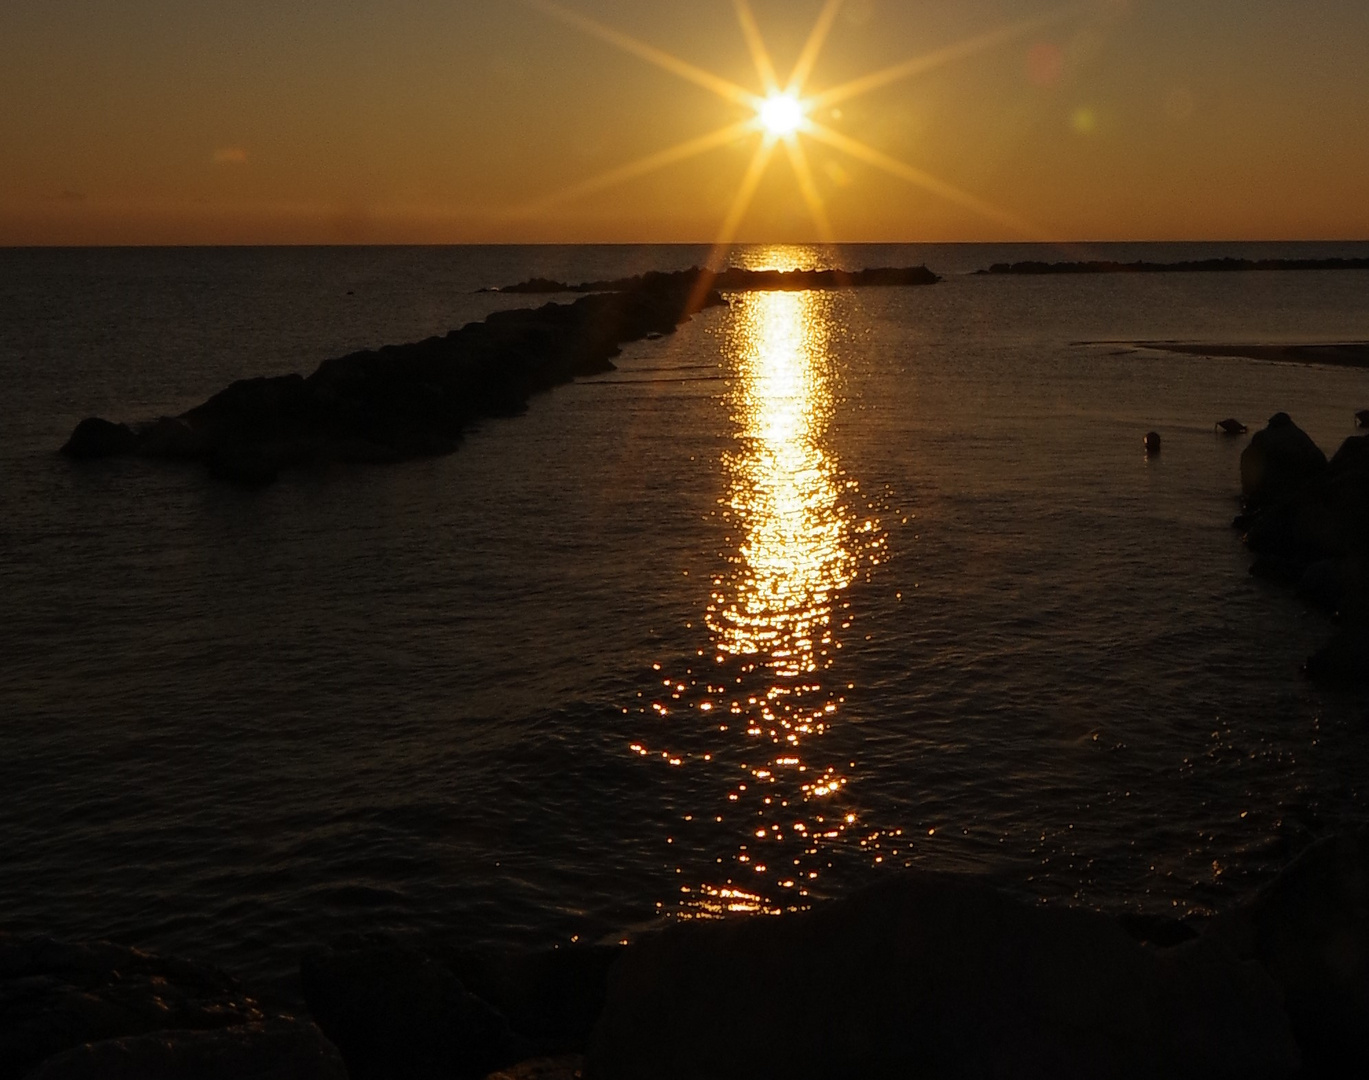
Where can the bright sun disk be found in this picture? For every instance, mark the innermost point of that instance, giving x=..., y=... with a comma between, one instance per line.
x=781, y=114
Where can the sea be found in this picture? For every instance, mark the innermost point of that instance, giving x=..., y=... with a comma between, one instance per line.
x=823, y=587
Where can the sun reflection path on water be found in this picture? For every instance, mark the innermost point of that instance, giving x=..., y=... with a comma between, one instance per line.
x=763, y=693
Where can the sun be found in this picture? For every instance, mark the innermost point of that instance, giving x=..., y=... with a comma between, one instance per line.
x=784, y=111
x=781, y=114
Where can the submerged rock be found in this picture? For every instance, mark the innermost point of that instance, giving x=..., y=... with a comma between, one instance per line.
x=933, y=975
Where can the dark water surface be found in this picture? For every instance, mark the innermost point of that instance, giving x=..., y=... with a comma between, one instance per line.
x=823, y=585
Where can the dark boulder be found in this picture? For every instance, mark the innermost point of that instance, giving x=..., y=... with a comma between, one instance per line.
x=96, y=438
x=1280, y=462
x=552, y=998
x=172, y=437
x=1309, y=929
x=55, y=996
x=396, y=1013
x=1343, y=660
x=934, y=975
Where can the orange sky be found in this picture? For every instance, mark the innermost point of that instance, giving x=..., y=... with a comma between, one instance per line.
x=414, y=121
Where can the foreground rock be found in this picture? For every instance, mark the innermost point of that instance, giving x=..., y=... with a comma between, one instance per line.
x=1306, y=520
x=396, y=1011
x=1310, y=931
x=403, y=401
x=935, y=976
x=100, y=1010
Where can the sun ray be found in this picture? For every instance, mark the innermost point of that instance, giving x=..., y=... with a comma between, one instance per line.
x=745, y=193
x=926, y=62
x=643, y=166
x=926, y=181
x=724, y=88
x=813, y=47
x=741, y=202
x=760, y=55
x=809, y=190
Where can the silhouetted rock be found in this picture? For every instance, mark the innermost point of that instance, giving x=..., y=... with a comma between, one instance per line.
x=738, y=279
x=1362, y=418
x=1231, y=426
x=172, y=437
x=96, y=438
x=934, y=975
x=405, y=401
x=1152, y=443
x=1280, y=461
x=1345, y=658
x=394, y=1012
x=1309, y=929
x=1307, y=521
x=55, y=997
x=276, y=1050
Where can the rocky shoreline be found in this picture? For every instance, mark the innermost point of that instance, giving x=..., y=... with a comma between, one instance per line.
x=408, y=401
x=924, y=974
x=1306, y=520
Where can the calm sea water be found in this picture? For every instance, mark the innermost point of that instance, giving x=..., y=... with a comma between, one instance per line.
x=824, y=585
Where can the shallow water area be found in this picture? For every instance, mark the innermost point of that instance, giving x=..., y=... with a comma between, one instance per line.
x=822, y=585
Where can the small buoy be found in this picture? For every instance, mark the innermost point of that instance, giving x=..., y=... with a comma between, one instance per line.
x=1231, y=426
x=1362, y=418
x=1152, y=441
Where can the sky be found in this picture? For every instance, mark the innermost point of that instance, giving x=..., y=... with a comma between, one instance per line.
x=503, y=121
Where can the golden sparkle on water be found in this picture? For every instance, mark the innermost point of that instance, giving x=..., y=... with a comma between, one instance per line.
x=756, y=707
x=793, y=558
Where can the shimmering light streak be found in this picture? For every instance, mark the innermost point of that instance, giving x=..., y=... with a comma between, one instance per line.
x=794, y=558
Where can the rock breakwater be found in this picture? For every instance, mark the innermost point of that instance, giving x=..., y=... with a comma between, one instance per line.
x=402, y=401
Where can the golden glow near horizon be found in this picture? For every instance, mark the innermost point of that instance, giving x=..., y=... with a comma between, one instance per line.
x=602, y=121
x=782, y=115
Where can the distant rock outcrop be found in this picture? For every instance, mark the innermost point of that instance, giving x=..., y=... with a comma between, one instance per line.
x=738, y=279
x=403, y=401
x=1307, y=522
x=1104, y=266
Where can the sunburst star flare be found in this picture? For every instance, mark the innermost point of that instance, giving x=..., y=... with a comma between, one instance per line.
x=782, y=112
